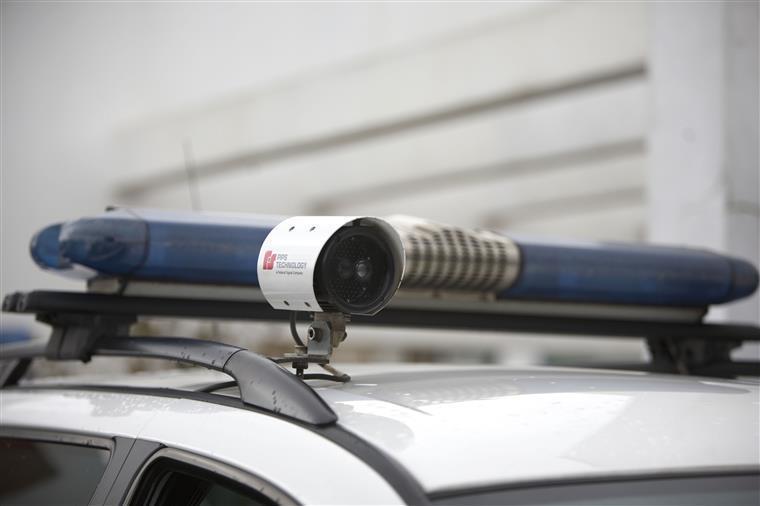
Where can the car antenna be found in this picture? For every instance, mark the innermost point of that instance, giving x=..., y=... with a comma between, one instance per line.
x=192, y=175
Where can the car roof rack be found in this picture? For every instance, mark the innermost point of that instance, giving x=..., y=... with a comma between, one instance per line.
x=79, y=333
x=263, y=384
x=87, y=324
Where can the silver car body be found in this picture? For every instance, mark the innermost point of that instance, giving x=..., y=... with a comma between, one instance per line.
x=451, y=428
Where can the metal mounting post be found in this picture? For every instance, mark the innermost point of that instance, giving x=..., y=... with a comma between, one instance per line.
x=326, y=332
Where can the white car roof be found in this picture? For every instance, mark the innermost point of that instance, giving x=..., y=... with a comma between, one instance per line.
x=463, y=427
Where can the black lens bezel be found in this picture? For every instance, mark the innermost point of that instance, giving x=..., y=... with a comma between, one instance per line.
x=328, y=299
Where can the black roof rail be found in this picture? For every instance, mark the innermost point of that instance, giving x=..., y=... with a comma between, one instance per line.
x=686, y=348
x=77, y=336
x=263, y=383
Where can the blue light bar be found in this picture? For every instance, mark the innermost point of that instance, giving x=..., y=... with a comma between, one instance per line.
x=160, y=245
x=223, y=249
x=630, y=274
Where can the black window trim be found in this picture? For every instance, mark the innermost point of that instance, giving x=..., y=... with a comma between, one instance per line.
x=118, y=449
x=229, y=472
x=54, y=436
x=702, y=472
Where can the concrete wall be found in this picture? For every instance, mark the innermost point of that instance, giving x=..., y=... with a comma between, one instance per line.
x=703, y=165
x=532, y=121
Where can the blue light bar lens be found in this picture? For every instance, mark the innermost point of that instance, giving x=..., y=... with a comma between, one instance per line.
x=168, y=246
x=630, y=274
x=45, y=248
x=745, y=278
x=114, y=244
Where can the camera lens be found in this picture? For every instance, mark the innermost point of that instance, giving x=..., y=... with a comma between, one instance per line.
x=355, y=271
x=363, y=269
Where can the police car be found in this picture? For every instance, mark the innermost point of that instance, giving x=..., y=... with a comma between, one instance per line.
x=248, y=429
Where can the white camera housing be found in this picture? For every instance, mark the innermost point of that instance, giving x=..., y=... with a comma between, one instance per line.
x=348, y=264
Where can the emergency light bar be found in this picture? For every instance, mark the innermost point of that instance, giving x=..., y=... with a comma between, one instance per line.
x=364, y=258
x=172, y=246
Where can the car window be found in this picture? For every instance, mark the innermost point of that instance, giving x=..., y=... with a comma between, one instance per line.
x=219, y=495
x=169, y=482
x=43, y=472
x=702, y=491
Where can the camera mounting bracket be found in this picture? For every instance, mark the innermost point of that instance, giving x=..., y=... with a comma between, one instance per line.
x=325, y=333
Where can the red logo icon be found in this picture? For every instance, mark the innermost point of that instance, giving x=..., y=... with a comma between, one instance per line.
x=269, y=259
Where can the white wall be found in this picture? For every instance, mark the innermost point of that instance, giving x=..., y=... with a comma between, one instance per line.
x=703, y=171
x=503, y=118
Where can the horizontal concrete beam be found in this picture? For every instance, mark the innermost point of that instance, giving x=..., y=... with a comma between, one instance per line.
x=550, y=50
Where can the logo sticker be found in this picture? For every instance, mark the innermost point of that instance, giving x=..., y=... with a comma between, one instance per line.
x=269, y=259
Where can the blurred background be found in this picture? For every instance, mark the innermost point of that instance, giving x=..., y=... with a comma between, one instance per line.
x=605, y=121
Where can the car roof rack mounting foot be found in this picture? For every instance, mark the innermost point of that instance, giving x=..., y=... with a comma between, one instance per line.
x=74, y=336
x=698, y=356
